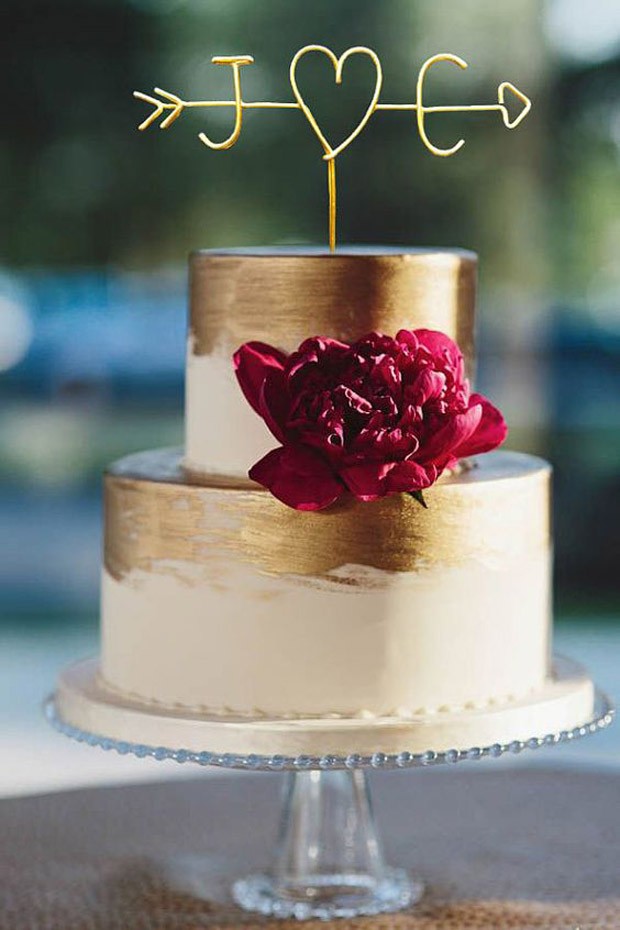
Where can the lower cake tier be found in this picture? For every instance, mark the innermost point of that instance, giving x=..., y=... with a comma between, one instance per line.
x=221, y=600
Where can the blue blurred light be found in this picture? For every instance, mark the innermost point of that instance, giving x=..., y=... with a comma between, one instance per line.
x=584, y=31
x=16, y=330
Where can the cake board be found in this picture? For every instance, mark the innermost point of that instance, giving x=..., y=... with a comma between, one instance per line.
x=329, y=861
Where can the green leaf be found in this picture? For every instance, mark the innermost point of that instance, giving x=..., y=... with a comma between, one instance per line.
x=419, y=497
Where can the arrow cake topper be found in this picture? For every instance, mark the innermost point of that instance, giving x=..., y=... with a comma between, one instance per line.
x=170, y=107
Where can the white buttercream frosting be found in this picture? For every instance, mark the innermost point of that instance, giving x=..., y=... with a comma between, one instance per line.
x=223, y=434
x=251, y=643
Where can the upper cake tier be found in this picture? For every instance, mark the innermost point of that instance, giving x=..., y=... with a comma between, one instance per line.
x=282, y=297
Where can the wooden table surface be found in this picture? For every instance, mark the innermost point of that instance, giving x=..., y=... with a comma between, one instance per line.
x=520, y=848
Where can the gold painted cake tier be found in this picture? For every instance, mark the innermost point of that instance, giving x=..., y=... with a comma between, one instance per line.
x=494, y=511
x=283, y=296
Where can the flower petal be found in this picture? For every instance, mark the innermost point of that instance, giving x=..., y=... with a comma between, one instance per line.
x=274, y=402
x=252, y=362
x=297, y=477
x=410, y=476
x=440, y=446
x=428, y=385
x=442, y=347
x=366, y=481
x=437, y=342
x=319, y=351
x=352, y=399
x=407, y=337
x=490, y=432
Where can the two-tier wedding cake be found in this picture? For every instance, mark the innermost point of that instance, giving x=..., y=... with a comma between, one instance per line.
x=383, y=579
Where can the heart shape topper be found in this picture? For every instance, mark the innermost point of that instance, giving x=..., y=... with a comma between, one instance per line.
x=167, y=107
x=338, y=63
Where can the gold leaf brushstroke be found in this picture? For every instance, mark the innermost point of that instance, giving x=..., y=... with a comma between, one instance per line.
x=494, y=513
x=286, y=295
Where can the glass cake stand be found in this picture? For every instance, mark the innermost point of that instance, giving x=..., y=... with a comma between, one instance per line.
x=329, y=861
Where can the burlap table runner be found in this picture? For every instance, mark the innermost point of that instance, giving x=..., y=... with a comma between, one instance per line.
x=499, y=849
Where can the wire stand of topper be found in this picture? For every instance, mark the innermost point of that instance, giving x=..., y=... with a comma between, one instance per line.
x=170, y=107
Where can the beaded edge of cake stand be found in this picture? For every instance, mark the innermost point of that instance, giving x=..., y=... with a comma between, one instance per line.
x=604, y=714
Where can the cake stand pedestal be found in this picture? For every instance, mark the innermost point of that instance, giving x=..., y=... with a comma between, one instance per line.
x=329, y=862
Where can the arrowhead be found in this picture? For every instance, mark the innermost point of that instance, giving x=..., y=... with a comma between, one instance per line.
x=525, y=101
x=157, y=109
x=172, y=116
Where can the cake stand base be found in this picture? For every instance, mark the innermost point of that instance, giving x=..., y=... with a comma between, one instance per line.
x=331, y=896
x=328, y=862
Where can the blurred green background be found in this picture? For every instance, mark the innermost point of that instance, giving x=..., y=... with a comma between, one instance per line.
x=97, y=220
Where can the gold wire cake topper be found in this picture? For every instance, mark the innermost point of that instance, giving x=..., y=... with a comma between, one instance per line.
x=172, y=105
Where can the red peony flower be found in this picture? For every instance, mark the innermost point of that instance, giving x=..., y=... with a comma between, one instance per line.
x=376, y=417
